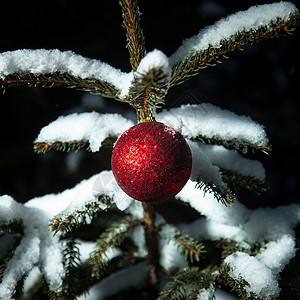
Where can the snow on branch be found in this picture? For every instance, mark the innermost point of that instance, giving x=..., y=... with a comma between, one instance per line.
x=54, y=67
x=37, y=248
x=85, y=192
x=78, y=130
x=213, y=125
x=231, y=33
x=249, y=228
x=189, y=283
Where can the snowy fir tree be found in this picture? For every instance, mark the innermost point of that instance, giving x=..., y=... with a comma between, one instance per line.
x=108, y=236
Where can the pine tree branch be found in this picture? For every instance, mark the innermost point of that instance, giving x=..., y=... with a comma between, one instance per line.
x=234, y=144
x=43, y=147
x=66, y=80
x=112, y=237
x=238, y=181
x=188, y=246
x=67, y=223
x=224, y=196
x=192, y=64
x=40, y=147
x=135, y=34
x=187, y=281
x=229, y=247
x=72, y=280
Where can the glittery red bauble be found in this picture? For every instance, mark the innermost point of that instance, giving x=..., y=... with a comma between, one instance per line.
x=151, y=162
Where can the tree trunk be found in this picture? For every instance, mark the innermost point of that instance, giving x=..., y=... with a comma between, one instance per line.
x=152, y=247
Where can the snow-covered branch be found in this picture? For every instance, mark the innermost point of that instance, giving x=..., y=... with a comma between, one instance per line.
x=211, y=124
x=91, y=128
x=231, y=33
x=50, y=67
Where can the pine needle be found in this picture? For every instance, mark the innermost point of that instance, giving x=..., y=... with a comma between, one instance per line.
x=186, y=283
x=65, y=80
x=238, y=181
x=236, y=285
x=135, y=35
x=148, y=89
x=66, y=223
x=186, y=245
x=224, y=196
x=234, y=144
x=44, y=147
x=72, y=280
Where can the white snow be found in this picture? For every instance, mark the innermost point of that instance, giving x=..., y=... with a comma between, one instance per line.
x=260, y=278
x=43, y=61
x=262, y=271
x=238, y=222
x=90, y=126
x=213, y=122
x=206, y=294
x=251, y=19
x=154, y=59
x=278, y=253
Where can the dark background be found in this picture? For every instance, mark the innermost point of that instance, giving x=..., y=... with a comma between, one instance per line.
x=262, y=81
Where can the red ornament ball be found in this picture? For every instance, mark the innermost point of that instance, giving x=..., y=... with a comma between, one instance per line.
x=151, y=162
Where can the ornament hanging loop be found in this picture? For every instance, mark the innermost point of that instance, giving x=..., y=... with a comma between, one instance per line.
x=144, y=115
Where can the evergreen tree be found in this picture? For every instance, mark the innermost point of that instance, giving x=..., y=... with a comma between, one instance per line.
x=137, y=251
